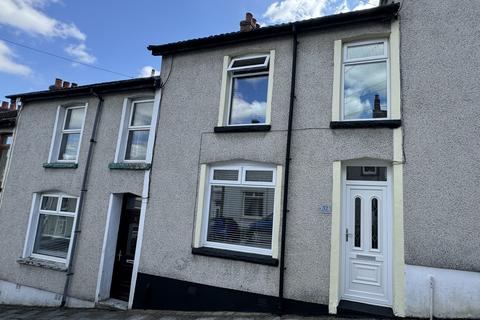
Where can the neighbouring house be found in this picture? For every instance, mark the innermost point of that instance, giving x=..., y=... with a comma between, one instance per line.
x=8, y=120
x=319, y=166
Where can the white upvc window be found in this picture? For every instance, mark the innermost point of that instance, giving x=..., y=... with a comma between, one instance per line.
x=246, y=93
x=136, y=131
x=51, y=228
x=365, y=84
x=240, y=211
x=68, y=132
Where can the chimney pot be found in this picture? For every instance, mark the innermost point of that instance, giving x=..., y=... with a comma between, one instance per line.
x=13, y=105
x=66, y=84
x=5, y=105
x=58, y=83
x=152, y=73
x=248, y=16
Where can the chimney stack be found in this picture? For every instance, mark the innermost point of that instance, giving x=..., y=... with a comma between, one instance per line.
x=13, y=105
x=5, y=105
x=60, y=84
x=66, y=84
x=249, y=24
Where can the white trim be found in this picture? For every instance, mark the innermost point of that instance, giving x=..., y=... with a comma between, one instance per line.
x=153, y=125
x=395, y=77
x=202, y=180
x=54, y=136
x=276, y=224
x=249, y=67
x=31, y=221
x=141, y=228
x=335, y=239
x=337, y=79
x=121, y=129
x=271, y=72
x=363, y=43
x=223, y=92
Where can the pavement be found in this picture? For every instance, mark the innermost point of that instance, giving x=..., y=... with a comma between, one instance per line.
x=22, y=313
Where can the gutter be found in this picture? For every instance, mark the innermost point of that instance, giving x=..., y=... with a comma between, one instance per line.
x=81, y=200
x=287, y=171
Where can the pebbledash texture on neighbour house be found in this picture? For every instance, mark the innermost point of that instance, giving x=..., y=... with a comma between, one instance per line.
x=311, y=167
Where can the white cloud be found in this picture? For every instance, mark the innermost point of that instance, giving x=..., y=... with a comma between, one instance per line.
x=80, y=53
x=291, y=10
x=294, y=10
x=245, y=112
x=8, y=65
x=147, y=72
x=25, y=15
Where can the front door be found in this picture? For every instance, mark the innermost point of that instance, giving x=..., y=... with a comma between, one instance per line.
x=366, y=259
x=125, y=251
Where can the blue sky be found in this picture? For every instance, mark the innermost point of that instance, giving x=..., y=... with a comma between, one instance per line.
x=114, y=34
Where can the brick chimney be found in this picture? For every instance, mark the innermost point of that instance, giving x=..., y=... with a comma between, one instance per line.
x=249, y=24
x=66, y=84
x=60, y=84
x=13, y=105
x=5, y=105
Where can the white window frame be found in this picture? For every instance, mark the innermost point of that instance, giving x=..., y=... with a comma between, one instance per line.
x=58, y=132
x=126, y=127
x=205, y=212
x=227, y=85
x=349, y=62
x=34, y=225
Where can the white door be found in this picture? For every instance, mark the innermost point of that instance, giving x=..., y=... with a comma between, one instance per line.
x=366, y=263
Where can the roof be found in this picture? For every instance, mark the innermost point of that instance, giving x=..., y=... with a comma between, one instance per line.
x=383, y=12
x=99, y=88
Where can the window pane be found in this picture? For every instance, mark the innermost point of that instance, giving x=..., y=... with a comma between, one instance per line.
x=69, y=205
x=358, y=219
x=231, y=175
x=53, y=235
x=9, y=140
x=137, y=145
x=367, y=173
x=365, y=51
x=249, y=100
x=249, y=62
x=49, y=203
x=365, y=91
x=69, y=146
x=142, y=114
x=74, y=118
x=6, y=139
x=374, y=223
x=241, y=216
x=259, y=176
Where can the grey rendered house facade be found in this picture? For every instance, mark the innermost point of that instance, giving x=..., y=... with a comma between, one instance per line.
x=308, y=167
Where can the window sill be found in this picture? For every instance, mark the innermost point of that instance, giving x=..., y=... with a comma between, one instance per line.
x=234, y=255
x=246, y=128
x=365, y=124
x=52, y=265
x=129, y=166
x=60, y=165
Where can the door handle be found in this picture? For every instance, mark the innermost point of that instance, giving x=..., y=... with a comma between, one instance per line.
x=347, y=234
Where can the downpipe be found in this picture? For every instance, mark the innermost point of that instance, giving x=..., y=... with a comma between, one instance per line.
x=287, y=172
x=81, y=200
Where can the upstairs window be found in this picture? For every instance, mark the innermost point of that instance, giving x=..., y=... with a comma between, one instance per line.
x=67, y=134
x=138, y=130
x=246, y=89
x=365, y=84
x=71, y=133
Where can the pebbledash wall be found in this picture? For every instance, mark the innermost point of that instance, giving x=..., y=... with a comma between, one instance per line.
x=194, y=88
x=21, y=283
x=435, y=153
x=439, y=63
